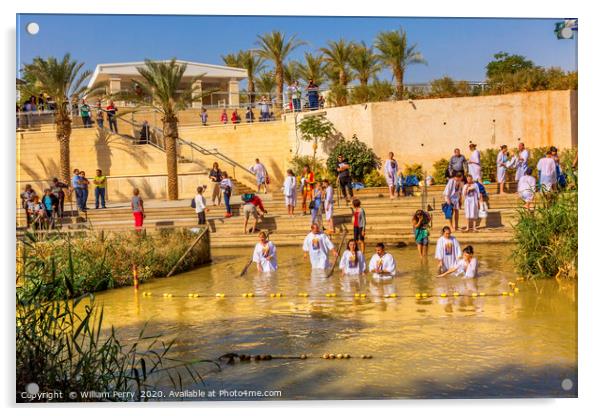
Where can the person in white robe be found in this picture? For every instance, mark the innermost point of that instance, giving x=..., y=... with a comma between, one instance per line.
x=317, y=245
x=547, y=172
x=264, y=254
x=391, y=168
x=452, y=195
x=448, y=250
x=382, y=264
x=471, y=199
x=527, y=186
x=352, y=261
x=474, y=163
x=329, y=205
x=290, y=192
x=522, y=162
x=261, y=175
x=501, y=162
x=467, y=265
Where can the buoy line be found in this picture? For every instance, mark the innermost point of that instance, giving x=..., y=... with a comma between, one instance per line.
x=232, y=357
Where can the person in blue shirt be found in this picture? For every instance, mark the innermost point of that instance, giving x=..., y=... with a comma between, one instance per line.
x=50, y=203
x=77, y=188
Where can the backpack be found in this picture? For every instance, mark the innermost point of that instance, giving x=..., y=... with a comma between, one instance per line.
x=482, y=189
x=193, y=203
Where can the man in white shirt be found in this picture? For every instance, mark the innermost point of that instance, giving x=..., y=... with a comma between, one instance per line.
x=261, y=175
x=317, y=245
x=382, y=264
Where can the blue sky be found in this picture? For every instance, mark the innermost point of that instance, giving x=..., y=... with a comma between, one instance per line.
x=459, y=48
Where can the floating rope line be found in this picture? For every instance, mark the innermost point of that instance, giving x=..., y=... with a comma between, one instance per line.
x=231, y=357
x=356, y=295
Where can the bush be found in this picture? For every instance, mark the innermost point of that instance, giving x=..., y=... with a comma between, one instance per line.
x=439, y=169
x=547, y=239
x=361, y=158
x=375, y=178
x=414, y=169
x=489, y=164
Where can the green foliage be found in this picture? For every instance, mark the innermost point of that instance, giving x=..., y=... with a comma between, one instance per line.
x=360, y=157
x=505, y=63
x=381, y=91
x=315, y=128
x=375, y=178
x=319, y=169
x=338, y=95
x=101, y=262
x=266, y=84
x=414, y=169
x=547, y=239
x=489, y=164
x=439, y=169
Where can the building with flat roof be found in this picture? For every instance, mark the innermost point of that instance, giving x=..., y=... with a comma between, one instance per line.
x=222, y=81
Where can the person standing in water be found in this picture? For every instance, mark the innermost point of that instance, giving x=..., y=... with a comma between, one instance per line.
x=382, y=264
x=501, y=161
x=352, y=261
x=448, y=250
x=391, y=168
x=317, y=245
x=452, y=194
x=471, y=198
x=474, y=162
x=290, y=192
x=359, y=223
x=264, y=254
x=468, y=265
x=421, y=221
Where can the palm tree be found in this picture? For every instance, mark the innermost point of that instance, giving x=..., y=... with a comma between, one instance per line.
x=250, y=61
x=63, y=81
x=338, y=56
x=395, y=53
x=364, y=63
x=312, y=68
x=291, y=72
x=276, y=48
x=266, y=84
x=162, y=82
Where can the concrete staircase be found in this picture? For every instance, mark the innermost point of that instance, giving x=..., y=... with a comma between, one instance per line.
x=387, y=220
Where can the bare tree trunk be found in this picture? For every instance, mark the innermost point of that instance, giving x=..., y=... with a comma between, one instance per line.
x=399, y=83
x=170, y=132
x=279, y=84
x=251, y=84
x=63, y=135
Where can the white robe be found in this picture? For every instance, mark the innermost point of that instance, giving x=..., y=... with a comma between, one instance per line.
x=290, y=190
x=318, y=246
x=329, y=202
x=352, y=266
x=527, y=187
x=470, y=195
x=382, y=265
x=260, y=256
x=522, y=164
x=469, y=270
x=547, y=172
x=453, y=193
x=474, y=165
x=448, y=251
x=260, y=172
x=390, y=171
x=501, y=166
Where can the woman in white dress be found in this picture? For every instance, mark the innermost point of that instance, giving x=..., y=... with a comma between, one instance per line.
x=448, y=250
x=526, y=189
x=474, y=162
x=264, y=254
x=391, y=168
x=452, y=195
x=501, y=161
x=352, y=261
x=290, y=192
x=317, y=245
x=468, y=265
x=471, y=198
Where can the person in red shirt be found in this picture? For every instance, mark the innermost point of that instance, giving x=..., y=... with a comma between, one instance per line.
x=235, y=119
x=307, y=186
x=252, y=204
x=224, y=117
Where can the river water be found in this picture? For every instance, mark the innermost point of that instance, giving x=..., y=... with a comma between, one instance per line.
x=454, y=347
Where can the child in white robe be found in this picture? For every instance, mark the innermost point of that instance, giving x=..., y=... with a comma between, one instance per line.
x=471, y=198
x=448, y=250
x=526, y=188
x=382, y=264
x=501, y=162
x=317, y=245
x=290, y=192
x=264, y=254
x=352, y=261
x=474, y=163
x=466, y=265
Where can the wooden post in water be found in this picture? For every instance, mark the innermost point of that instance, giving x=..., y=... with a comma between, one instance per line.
x=136, y=280
x=187, y=251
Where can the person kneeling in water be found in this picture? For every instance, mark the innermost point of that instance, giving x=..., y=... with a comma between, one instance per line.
x=467, y=264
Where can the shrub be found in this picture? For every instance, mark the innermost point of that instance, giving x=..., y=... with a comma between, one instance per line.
x=489, y=164
x=439, y=169
x=414, y=169
x=361, y=158
x=375, y=178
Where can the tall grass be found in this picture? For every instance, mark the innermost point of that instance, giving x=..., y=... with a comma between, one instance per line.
x=101, y=261
x=547, y=238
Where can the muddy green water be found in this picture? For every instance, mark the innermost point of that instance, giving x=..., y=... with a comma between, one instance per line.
x=455, y=347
